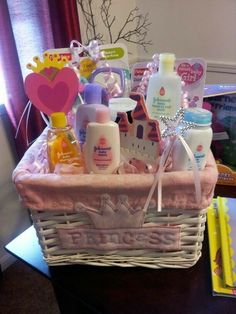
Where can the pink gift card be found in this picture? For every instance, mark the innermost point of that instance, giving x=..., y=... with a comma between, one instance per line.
x=193, y=73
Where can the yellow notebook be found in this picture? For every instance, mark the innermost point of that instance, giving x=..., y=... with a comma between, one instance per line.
x=227, y=220
x=217, y=271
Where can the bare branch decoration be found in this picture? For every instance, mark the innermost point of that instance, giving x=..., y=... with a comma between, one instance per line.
x=87, y=11
x=134, y=30
x=105, y=8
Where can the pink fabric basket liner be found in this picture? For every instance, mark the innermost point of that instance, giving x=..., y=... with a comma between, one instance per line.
x=52, y=192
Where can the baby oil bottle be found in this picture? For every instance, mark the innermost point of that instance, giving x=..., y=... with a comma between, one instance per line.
x=62, y=145
x=102, y=147
x=164, y=89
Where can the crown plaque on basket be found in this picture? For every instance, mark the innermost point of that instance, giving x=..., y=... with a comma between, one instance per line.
x=116, y=226
x=110, y=215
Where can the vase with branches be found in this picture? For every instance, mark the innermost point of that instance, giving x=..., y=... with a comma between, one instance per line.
x=133, y=30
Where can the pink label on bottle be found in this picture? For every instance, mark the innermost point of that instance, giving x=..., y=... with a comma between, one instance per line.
x=102, y=154
x=162, y=91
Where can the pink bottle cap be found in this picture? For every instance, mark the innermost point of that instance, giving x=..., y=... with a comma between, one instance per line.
x=103, y=114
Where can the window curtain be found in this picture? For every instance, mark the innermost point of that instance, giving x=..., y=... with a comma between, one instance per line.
x=27, y=29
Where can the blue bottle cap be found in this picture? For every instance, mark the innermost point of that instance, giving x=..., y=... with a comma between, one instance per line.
x=199, y=116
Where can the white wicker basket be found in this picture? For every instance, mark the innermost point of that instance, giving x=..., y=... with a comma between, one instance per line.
x=63, y=203
x=192, y=224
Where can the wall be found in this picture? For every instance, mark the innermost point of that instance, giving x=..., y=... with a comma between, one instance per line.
x=189, y=29
x=13, y=217
x=119, y=9
x=196, y=29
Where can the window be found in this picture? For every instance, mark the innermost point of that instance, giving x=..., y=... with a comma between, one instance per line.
x=30, y=20
x=139, y=131
x=2, y=89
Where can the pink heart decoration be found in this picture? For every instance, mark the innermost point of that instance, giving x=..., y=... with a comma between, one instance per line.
x=50, y=72
x=190, y=73
x=53, y=96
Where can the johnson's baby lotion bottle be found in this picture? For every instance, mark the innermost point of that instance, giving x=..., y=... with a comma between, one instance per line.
x=164, y=89
x=102, y=148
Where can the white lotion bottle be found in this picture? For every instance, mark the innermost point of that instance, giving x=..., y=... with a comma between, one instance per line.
x=198, y=139
x=164, y=89
x=102, y=148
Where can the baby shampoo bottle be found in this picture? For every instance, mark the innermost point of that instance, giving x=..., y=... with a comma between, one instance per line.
x=62, y=145
x=102, y=148
x=164, y=89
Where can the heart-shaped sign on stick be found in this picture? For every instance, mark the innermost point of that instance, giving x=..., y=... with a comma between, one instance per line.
x=53, y=96
x=190, y=73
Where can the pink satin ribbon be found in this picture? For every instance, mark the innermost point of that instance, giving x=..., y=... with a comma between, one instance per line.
x=27, y=112
x=159, y=174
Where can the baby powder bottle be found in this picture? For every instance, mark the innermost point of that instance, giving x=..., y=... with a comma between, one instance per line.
x=62, y=146
x=102, y=148
x=164, y=89
x=87, y=112
x=198, y=138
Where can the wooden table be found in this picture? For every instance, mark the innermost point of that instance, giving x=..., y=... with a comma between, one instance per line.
x=114, y=290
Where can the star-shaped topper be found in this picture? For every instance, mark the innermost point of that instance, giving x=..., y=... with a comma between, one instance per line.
x=177, y=125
